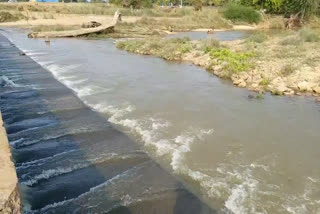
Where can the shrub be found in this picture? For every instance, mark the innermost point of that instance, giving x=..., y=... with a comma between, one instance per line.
x=236, y=12
x=309, y=35
x=264, y=82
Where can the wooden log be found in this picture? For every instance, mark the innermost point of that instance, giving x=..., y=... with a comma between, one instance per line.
x=80, y=32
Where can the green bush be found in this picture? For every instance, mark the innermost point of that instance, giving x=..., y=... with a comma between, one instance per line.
x=236, y=12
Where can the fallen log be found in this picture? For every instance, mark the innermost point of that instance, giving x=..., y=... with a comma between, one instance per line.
x=106, y=28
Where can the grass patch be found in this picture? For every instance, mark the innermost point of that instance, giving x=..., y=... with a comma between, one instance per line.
x=148, y=26
x=264, y=82
x=276, y=23
x=10, y=17
x=291, y=40
x=207, y=18
x=258, y=37
x=232, y=62
x=240, y=13
x=169, y=49
x=309, y=35
x=287, y=69
x=209, y=44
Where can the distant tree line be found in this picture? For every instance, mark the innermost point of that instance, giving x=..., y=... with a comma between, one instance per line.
x=287, y=7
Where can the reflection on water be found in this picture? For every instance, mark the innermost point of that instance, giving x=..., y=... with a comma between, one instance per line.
x=243, y=155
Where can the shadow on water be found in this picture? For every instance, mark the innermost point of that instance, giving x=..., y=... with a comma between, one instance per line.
x=69, y=158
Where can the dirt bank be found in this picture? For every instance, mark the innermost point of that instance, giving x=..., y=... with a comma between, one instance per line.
x=283, y=64
x=9, y=194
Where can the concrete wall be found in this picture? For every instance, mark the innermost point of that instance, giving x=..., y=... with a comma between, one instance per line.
x=9, y=193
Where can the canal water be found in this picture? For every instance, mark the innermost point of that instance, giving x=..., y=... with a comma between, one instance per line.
x=239, y=155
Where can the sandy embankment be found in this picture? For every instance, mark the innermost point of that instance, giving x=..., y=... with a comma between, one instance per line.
x=65, y=20
x=9, y=193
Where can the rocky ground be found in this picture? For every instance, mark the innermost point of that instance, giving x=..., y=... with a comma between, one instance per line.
x=284, y=65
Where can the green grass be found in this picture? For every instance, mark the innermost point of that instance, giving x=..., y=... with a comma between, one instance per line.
x=176, y=48
x=240, y=13
x=232, y=62
x=264, y=82
x=169, y=49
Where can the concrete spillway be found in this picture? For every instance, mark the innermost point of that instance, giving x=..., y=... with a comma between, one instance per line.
x=70, y=158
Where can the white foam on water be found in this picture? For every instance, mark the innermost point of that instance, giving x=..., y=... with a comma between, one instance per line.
x=50, y=173
x=41, y=161
x=62, y=73
x=92, y=190
x=34, y=53
x=240, y=195
x=31, y=129
x=59, y=70
x=8, y=81
x=45, y=63
x=22, y=142
x=176, y=148
x=305, y=202
x=15, y=142
x=73, y=82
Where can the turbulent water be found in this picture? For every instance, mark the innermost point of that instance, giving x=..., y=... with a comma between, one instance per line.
x=241, y=155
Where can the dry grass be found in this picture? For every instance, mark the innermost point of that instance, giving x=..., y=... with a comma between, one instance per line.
x=169, y=49
x=45, y=28
x=95, y=9
x=10, y=17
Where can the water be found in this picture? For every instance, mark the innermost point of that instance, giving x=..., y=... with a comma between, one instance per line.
x=241, y=155
x=218, y=35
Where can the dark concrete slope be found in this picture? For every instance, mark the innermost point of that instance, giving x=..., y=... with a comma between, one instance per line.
x=69, y=159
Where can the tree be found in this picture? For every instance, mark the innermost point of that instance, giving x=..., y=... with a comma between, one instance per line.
x=197, y=4
x=133, y=3
x=288, y=7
